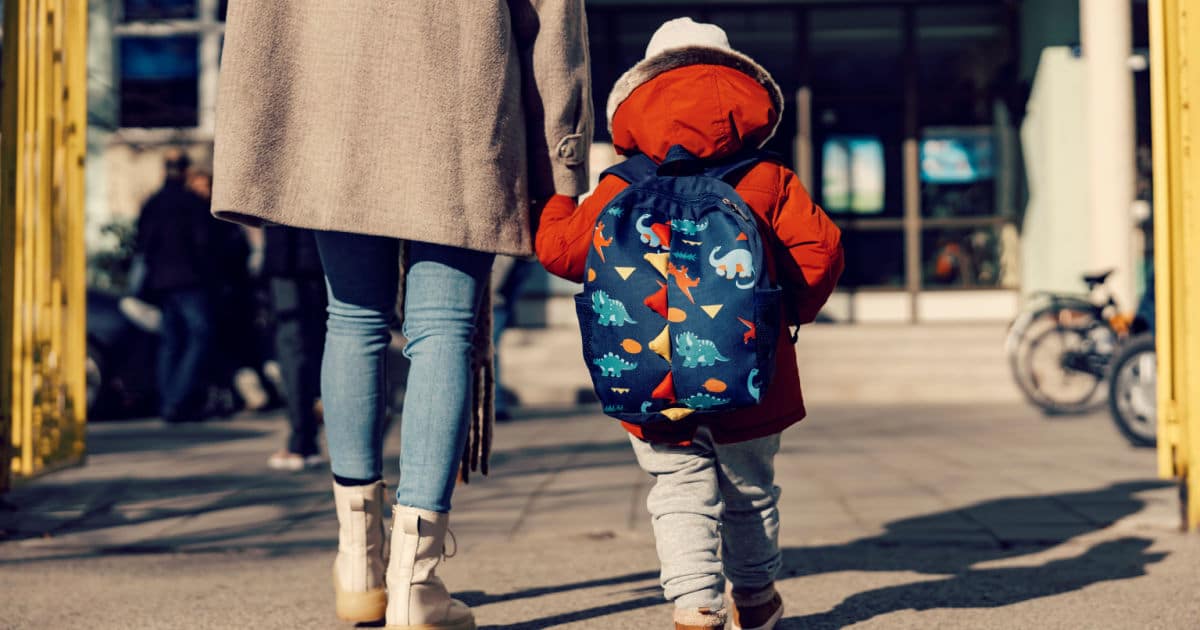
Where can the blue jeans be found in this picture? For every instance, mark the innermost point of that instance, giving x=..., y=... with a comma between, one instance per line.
x=443, y=292
x=183, y=350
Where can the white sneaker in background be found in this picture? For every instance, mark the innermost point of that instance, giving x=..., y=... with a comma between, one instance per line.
x=286, y=460
x=250, y=389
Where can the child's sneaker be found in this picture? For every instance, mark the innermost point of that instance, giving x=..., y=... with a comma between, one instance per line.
x=699, y=618
x=759, y=610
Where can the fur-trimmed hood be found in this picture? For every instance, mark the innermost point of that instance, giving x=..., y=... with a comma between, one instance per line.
x=674, y=58
x=713, y=111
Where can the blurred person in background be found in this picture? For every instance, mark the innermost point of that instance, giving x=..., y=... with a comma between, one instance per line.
x=509, y=275
x=292, y=267
x=439, y=127
x=236, y=378
x=175, y=240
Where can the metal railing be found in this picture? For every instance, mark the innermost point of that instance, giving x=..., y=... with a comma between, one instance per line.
x=1175, y=87
x=42, y=296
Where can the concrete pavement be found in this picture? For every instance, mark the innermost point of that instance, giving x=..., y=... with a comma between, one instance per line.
x=896, y=516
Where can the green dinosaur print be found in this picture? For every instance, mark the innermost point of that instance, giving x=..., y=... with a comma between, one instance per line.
x=614, y=408
x=613, y=365
x=678, y=255
x=696, y=351
x=611, y=311
x=690, y=228
x=616, y=211
x=751, y=387
x=703, y=401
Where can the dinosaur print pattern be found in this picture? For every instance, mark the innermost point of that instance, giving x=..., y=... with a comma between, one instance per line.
x=685, y=284
x=697, y=352
x=613, y=366
x=688, y=227
x=674, y=297
x=704, y=401
x=750, y=334
x=736, y=263
x=654, y=235
x=611, y=311
x=599, y=241
x=751, y=387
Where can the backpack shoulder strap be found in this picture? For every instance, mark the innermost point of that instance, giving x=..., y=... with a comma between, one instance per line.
x=732, y=170
x=635, y=169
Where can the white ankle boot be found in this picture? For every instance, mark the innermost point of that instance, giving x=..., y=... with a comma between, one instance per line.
x=417, y=598
x=358, y=569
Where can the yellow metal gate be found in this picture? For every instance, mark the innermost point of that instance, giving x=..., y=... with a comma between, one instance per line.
x=1175, y=83
x=42, y=296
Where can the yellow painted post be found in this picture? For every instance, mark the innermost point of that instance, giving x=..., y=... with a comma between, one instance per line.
x=1175, y=87
x=43, y=341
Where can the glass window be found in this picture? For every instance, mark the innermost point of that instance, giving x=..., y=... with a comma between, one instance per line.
x=159, y=81
x=874, y=258
x=159, y=10
x=963, y=57
x=856, y=52
x=972, y=257
x=958, y=172
x=857, y=153
x=852, y=175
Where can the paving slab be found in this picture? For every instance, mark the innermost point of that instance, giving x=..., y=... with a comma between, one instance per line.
x=904, y=516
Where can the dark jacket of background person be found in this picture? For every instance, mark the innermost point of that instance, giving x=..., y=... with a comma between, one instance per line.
x=174, y=235
x=290, y=253
x=471, y=108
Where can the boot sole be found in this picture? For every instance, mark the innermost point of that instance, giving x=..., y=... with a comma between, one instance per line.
x=466, y=624
x=359, y=605
x=368, y=606
x=770, y=625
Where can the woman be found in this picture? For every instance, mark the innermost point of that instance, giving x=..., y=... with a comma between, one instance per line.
x=436, y=125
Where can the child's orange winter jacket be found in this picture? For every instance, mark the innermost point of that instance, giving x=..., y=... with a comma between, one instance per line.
x=714, y=111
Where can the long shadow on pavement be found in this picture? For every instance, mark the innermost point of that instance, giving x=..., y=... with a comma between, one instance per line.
x=52, y=510
x=947, y=543
x=141, y=436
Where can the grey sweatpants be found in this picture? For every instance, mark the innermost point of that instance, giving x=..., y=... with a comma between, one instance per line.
x=709, y=497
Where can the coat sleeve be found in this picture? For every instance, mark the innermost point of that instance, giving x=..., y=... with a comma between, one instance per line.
x=564, y=233
x=814, y=246
x=557, y=94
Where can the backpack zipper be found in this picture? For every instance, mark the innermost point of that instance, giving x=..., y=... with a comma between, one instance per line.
x=736, y=208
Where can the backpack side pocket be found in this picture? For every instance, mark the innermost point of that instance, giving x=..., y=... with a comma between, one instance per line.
x=768, y=318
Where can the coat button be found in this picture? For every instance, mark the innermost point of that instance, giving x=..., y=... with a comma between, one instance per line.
x=568, y=150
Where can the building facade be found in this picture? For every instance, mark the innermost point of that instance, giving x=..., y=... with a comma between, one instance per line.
x=905, y=118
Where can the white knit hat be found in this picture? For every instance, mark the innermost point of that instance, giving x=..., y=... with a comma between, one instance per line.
x=685, y=42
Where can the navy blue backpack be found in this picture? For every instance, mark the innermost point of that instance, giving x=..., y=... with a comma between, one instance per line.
x=678, y=314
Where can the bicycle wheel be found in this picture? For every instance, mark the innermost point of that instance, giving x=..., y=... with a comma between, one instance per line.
x=1133, y=391
x=1054, y=385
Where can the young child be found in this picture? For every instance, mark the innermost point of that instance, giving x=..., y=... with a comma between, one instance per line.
x=713, y=505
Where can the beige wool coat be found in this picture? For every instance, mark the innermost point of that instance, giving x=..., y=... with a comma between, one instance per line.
x=430, y=120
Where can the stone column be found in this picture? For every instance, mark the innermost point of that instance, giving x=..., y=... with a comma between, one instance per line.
x=1105, y=28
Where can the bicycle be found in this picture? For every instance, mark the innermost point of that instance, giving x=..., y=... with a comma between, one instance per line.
x=1060, y=348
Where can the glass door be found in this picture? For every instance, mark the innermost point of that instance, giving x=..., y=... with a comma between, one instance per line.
x=855, y=74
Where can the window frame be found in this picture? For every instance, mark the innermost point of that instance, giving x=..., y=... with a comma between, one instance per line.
x=209, y=31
